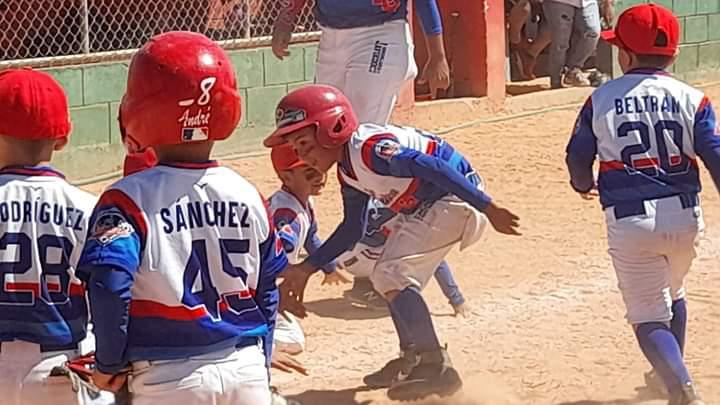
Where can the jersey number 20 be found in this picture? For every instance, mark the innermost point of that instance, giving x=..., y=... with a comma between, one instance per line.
x=664, y=163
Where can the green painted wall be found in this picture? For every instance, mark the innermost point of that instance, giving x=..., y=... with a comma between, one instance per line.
x=700, y=36
x=94, y=92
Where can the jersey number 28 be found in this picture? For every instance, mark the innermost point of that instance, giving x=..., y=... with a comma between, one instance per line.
x=52, y=285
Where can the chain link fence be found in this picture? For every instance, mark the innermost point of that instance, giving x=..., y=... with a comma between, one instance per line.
x=43, y=33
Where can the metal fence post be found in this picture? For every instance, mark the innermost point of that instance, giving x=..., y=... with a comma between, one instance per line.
x=86, y=26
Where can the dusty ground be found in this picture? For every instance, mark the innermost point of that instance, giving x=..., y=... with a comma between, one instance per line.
x=547, y=324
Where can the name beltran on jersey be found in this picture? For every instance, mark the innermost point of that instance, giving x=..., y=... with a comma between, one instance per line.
x=41, y=212
x=197, y=214
x=646, y=104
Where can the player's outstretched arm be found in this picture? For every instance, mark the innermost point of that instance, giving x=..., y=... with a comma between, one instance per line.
x=581, y=151
x=707, y=139
x=350, y=230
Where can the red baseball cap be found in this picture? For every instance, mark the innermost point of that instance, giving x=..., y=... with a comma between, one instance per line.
x=33, y=106
x=646, y=29
x=284, y=157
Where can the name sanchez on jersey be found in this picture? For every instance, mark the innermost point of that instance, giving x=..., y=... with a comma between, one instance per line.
x=197, y=214
x=41, y=212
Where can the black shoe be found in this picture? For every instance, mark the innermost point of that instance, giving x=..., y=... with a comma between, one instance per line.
x=385, y=377
x=432, y=375
x=688, y=396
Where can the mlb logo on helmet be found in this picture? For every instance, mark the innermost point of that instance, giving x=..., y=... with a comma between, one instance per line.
x=195, y=134
x=285, y=117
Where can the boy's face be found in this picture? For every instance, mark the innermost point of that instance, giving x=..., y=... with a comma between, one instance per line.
x=304, y=180
x=308, y=149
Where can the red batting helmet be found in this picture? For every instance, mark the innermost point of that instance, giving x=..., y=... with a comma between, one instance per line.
x=325, y=107
x=181, y=88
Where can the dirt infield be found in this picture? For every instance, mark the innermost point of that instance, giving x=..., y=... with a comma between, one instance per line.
x=547, y=325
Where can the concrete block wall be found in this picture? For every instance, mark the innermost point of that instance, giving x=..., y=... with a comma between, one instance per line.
x=700, y=36
x=94, y=92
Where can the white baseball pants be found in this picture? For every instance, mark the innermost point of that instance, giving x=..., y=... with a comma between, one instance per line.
x=369, y=65
x=226, y=377
x=651, y=254
x=25, y=375
x=420, y=241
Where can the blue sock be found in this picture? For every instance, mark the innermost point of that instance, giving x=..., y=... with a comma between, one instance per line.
x=663, y=351
x=402, y=330
x=678, y=323
x=412, y=312
x=447, y=284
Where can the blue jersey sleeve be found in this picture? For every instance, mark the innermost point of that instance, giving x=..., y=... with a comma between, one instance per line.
x=429, y=16
x=110, y=259
x=350, y=230
x=272, y=261
x=389, y=158
x=288, y=228
x=313, y=243
x=707, y=139
x=581, y=151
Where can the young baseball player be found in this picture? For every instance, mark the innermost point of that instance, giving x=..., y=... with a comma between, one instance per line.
x=360, y=260
x=43, y=222
x=294, y=217
x=648, y=129
x=182, y=257
x=366, y=50
x=439, y=202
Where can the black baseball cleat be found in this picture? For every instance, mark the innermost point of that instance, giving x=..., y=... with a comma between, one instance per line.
x=433, y=374
x=385, y=377
x=687, y=396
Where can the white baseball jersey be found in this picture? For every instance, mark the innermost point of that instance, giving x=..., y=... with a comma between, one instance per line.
x=43, y=222
x=293, y=220
x=204, y=256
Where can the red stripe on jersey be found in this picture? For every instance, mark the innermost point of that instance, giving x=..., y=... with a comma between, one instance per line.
x=121, y=200
x=77, y=289
x=704, y=103
x=643, y=163
x=24, y=287
x=152, y=309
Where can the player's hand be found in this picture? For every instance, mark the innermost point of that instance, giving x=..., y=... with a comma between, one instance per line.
x=437, y=74
x=292, y=289
x=335, y=278
x=607, y=8
x=109, y=382
x=280, y=43
x=285, y=362
x=592, y=194
x=502, y=219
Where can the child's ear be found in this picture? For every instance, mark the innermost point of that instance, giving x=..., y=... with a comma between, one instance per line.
x=60, y=144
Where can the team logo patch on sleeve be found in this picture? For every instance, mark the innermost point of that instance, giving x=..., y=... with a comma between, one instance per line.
x=386, y=149
x=111, y=225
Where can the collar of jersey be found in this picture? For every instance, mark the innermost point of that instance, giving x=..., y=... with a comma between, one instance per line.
x=32, y=171
x=649, y=71
x=191, y=165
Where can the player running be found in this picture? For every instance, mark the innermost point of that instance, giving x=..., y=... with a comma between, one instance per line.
x=182, y=258
x=43, y=222
x=647, y=129
x=440, y=204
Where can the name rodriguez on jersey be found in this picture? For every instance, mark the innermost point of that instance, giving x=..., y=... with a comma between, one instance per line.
x=196, y=214
x=41, y=212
